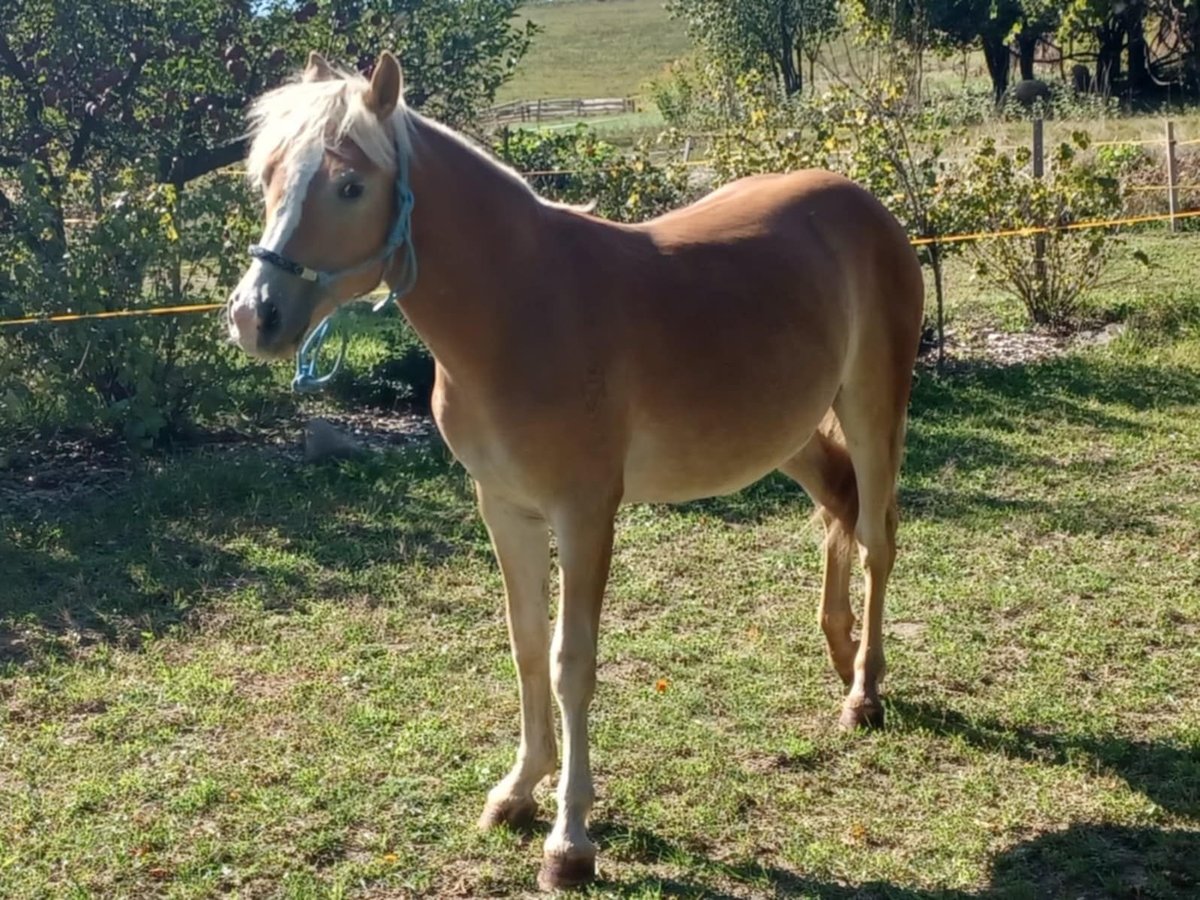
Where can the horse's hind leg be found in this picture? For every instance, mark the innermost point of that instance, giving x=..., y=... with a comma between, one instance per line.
x=872, y=416
x=824, y=470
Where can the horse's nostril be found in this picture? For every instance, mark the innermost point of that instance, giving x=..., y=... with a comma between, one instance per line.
x=268, y=316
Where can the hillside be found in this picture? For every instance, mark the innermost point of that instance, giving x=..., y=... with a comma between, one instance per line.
x=595, y=48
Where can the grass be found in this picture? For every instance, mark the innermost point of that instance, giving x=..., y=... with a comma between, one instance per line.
x=225, y=674
x=589, y=48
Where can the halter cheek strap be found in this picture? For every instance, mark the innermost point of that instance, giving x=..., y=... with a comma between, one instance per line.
x=399, y=237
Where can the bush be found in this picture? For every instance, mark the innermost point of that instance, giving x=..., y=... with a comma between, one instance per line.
x=1049, y=273
x=577, y=167
x=1063, y=103
x=387, y=366
x=133, y=244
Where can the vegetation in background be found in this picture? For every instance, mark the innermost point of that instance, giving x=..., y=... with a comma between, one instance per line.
x=778, y=36
x=577, y=167
x=585, y=48
x=1049, y=273
x=109, y=113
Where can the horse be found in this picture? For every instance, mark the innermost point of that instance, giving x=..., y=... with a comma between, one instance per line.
x=583, y=364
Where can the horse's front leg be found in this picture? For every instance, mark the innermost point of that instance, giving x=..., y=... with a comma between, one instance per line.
x=585, y=550
x=522, y=543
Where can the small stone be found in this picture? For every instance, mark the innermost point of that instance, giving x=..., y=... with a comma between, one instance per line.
x=323, y=440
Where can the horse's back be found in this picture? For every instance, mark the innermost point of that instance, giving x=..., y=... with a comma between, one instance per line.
x=759, y=301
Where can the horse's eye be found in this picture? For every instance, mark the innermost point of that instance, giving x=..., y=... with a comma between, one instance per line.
x=351, y=190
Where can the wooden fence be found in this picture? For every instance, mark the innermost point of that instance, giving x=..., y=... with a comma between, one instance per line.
x=539, y=110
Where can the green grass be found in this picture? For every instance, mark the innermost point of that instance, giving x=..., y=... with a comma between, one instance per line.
x=225, y=674
x=595, y=48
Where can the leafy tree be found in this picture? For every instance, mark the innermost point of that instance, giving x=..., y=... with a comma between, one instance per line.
x=102, y=104
x=166, y=80
x=775, y=35
x=1116, y=27
x=961, y=24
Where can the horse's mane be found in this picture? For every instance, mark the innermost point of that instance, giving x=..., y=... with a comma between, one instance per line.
x=287, y=121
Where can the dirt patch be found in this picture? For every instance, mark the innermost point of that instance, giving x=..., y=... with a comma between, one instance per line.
x=63, y=470
x=1012, y=348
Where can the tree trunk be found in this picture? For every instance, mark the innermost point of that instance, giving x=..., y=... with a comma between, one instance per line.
x=1135, y=26
x=793, y=81
x=997, y=57
x=1111, y=40
x=1026, y=49
x=790, y=52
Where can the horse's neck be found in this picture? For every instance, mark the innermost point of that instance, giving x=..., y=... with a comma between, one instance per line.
x=475, y=228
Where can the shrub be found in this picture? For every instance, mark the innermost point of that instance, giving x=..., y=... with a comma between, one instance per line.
x=132, y=244
x=577, y=167
x=1049, y=273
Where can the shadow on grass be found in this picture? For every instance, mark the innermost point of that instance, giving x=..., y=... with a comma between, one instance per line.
x=976, y=419
x=1082, y=861
x=111, y=565
x=141, y=556
x=1085, y=860
x=1167, y=773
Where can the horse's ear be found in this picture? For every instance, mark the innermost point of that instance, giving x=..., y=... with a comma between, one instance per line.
x=386, y=85
x=318, y=69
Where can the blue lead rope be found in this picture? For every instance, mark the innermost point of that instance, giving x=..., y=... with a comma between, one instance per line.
x=306, y=380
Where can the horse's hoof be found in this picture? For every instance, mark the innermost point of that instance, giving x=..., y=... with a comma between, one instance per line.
x=861, y=712
x=562, y=872
x=517, y=813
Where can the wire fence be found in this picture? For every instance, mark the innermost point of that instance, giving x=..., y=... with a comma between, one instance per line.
x=1171, y=186
x=1025, y=231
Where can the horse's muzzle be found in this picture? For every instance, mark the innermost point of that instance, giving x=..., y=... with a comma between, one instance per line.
x=256, y=323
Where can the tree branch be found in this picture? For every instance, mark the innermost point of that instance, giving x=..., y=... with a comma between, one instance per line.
x=182, y=169
x=80, y=145
x=33, y=99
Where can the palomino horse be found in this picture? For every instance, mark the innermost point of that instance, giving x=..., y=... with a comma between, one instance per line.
x=583, y=364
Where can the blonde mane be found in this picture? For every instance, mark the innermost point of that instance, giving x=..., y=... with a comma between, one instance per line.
x=289, y=121
x=285, y=123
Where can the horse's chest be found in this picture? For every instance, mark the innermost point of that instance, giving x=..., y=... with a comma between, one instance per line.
x=483, y=450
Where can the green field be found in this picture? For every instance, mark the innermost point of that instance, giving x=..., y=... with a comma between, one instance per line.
x=595, y=48
x=223, y=673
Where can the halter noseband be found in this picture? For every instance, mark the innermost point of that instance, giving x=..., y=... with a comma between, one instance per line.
x=306, y=378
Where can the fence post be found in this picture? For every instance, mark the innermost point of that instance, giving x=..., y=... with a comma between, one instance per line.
x=539, y=111
x=687, y=149
x=1172, y=176
x=1039, y=240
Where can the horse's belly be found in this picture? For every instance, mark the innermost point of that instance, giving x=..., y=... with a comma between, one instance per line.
x=674, y=467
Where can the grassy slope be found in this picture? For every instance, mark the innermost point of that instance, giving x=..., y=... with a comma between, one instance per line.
x=595, y=49
x=231, y=674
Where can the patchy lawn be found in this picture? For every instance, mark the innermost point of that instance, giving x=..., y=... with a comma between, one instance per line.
x=223, y=673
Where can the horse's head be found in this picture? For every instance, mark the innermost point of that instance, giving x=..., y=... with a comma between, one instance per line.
x=326, y=153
